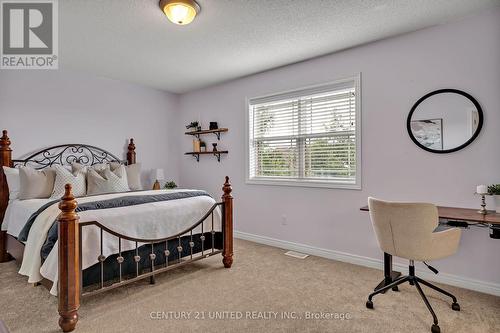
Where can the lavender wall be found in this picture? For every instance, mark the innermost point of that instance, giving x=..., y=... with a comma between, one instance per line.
x=43, y=108
x=395, y=73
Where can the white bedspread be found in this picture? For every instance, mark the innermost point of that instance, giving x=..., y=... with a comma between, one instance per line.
x=147, y=221
x=18, y=212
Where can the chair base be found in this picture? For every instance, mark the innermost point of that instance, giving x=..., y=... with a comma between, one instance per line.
x=416, y=281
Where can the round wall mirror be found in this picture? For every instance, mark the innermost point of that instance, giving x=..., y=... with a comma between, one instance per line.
x=445, y=121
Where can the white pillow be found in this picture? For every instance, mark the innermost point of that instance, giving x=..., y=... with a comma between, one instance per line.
x=36, y=184
x=63, y=177
x=77, y=167
x=12, y=175
x=107, y=181
x=133, y=174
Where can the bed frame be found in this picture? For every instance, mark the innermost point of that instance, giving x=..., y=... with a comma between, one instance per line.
x=70, y=272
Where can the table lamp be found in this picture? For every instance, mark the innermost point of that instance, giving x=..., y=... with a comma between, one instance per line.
x=158, y=175
x=482, y=190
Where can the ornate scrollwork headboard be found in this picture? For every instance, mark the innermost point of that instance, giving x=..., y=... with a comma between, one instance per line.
x=56, y=155
x=67, y=154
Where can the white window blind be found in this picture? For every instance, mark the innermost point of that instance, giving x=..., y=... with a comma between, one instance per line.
x=306, y=136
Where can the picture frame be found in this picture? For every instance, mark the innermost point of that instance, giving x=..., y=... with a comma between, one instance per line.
x=429, y=132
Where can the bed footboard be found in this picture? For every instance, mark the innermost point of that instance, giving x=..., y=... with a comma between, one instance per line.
x=189, y=246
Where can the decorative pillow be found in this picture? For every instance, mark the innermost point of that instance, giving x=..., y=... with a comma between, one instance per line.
x=35, y=184
x=107, y=181
x=77, y=167
x=12, y=175
x=63, y=177
x=133, y=174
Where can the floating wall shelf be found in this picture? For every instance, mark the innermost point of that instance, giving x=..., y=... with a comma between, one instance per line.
x=199, y=133
x=217, y=132
x=215, y=153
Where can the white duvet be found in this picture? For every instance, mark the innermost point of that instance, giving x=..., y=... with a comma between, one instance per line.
x=146, y=221
x=18, y=212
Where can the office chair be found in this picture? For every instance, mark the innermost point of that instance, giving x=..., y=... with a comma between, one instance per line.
x=406, y=230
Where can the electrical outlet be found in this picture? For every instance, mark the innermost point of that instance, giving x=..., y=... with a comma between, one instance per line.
x=284, y=220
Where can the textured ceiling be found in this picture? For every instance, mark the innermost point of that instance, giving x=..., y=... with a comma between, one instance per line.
x=132, y=40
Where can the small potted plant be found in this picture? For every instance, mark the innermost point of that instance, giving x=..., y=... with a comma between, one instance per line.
x=494, y=190
x=170, y=185
x=193, y=124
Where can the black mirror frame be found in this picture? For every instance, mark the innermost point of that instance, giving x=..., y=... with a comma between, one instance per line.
x=441, y=91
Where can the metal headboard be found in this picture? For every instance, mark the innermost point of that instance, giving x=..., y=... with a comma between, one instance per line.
x=67, y=154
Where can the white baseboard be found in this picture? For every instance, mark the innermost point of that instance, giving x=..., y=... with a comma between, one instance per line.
x=454, y=280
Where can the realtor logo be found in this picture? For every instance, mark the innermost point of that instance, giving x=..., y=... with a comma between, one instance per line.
x=29, y=34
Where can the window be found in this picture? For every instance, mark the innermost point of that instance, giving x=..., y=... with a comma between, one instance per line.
x=306, y=137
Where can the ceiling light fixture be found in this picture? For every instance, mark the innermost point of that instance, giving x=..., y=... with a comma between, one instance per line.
x=180, y=12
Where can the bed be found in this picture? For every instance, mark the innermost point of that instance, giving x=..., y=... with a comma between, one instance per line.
x=90, y=244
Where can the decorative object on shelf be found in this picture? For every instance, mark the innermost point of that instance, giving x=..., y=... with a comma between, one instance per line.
x=217, y=132
x=180, y=12
x=170, y=185
x=203, y=146
x=215, y=146
x=213, y=125
x=158, y=175
x=193, y=124
x=196, y=145
x=494, y=190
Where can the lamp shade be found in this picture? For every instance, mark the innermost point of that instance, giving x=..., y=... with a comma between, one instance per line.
x=158, y=174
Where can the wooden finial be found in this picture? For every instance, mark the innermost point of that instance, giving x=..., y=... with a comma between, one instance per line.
x=227, y=188
x=68, y=203
x=131, y=145
x=4, y=141
x=131, y=152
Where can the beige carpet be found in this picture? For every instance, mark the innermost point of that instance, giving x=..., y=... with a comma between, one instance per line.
x=262, y=279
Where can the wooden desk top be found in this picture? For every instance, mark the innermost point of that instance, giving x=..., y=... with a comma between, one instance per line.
x=463, y=214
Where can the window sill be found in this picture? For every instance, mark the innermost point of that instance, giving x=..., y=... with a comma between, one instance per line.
x=302, y=183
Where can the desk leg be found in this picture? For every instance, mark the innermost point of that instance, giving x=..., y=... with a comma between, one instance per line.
x=389, y=274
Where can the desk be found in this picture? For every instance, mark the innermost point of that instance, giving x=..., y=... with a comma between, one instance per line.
x=445, y=213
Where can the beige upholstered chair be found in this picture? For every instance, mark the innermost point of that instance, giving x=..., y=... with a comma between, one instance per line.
x=406, y=230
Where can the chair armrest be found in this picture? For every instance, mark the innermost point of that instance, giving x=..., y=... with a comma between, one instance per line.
x=445, y=243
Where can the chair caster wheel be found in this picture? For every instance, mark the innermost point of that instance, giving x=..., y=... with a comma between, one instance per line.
x=369, y=304
x=395, y=288
x=455, y=306
x=435, y=329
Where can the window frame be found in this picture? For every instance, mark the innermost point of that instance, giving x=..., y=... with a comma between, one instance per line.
x=304, y=182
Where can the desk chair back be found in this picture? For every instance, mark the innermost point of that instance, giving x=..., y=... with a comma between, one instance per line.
x=406, y=230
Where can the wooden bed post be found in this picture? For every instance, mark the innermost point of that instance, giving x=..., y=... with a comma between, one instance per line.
x=131, y=152
x=227, y=198
x=5, y=160
x=69, y=262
